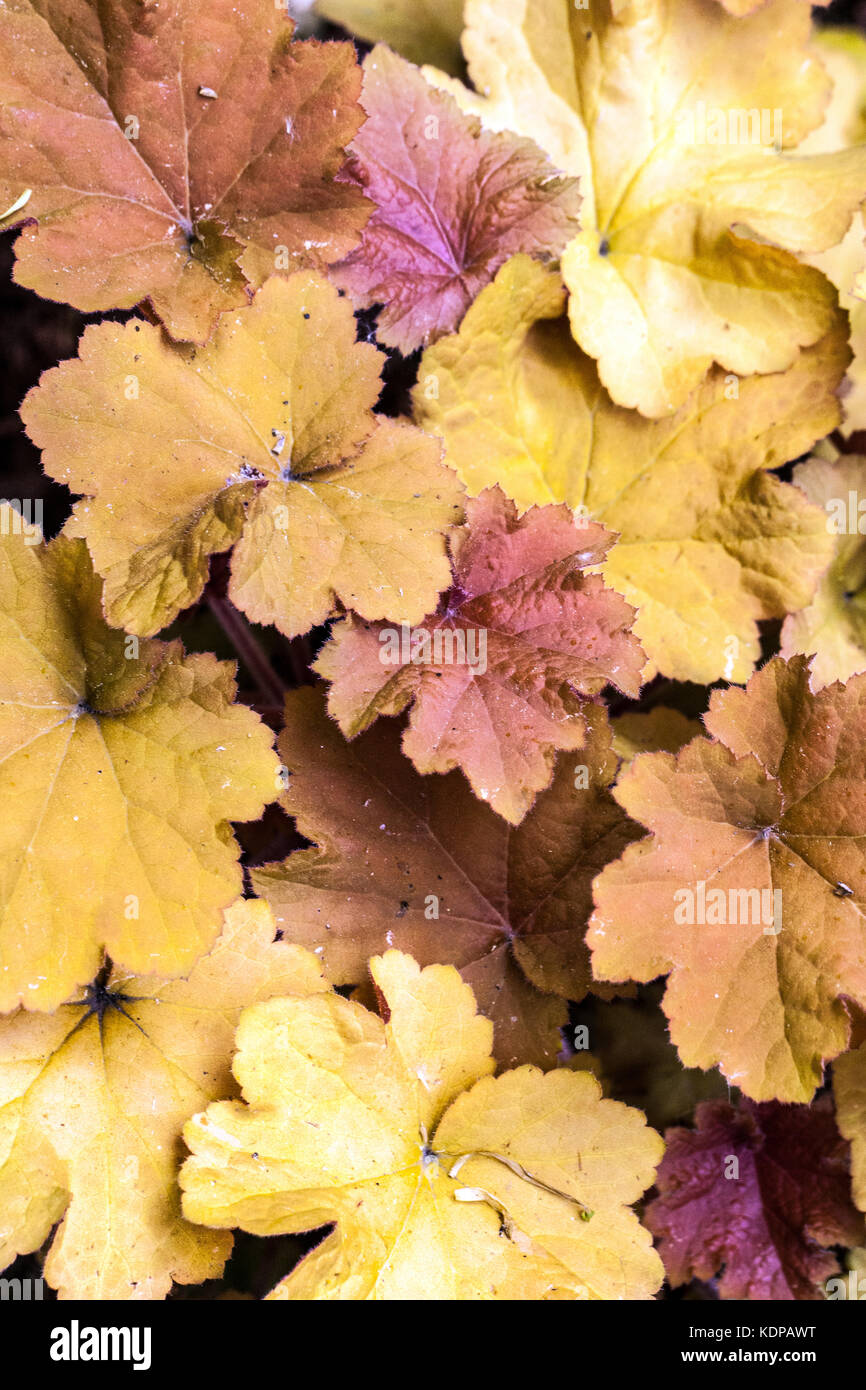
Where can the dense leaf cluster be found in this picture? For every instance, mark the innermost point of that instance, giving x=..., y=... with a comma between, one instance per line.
x=433, y=737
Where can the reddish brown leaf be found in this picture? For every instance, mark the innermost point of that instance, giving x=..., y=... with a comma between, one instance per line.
x=757, y=1193
x=420, y=864
x=179, y=151
x=453, y=202
x=495, y=676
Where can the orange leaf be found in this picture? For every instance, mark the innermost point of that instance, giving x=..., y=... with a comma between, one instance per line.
x=177, y=152
x=751, y=888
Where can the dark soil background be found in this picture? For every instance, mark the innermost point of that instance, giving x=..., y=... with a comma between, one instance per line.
x=36, y=334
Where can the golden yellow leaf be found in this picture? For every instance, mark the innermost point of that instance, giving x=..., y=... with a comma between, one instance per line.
x=443, y=1182
x=518, y=404
x=843, y=53
x=658, y=730
x=744, y=7
x=833, y=625
x=849, y=1090
x=94, y=1098
x=425, y=31
x=124, y=763
x=679, y=119
x=264, y=437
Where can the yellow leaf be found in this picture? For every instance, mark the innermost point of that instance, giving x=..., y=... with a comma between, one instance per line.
x=371, y=532
x=518, y=404
x=425, y=31
x=124, y=763
x=443, y=1182
x=849, y=1090
x=266, y=437
x=843, y=53
x=659, y=730
x=94, y=1098
x=744, y=7
x=833, y=625
x=679, y=119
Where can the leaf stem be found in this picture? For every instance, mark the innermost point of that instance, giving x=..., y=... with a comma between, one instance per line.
x=243, y=639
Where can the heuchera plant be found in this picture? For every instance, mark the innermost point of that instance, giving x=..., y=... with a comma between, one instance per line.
x=433, y=621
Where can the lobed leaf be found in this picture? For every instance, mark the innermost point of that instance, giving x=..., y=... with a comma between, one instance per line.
x=453, y=202
x=125, y=766
x=522, y=634
x=264, y=438
x=772, y=805
x=755, y=1193
x=421, y=864
x=94, y=1099
x=691, y=213
x=443, y=1182
x=710, y=543
x=832, y=628
x=178, y=153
